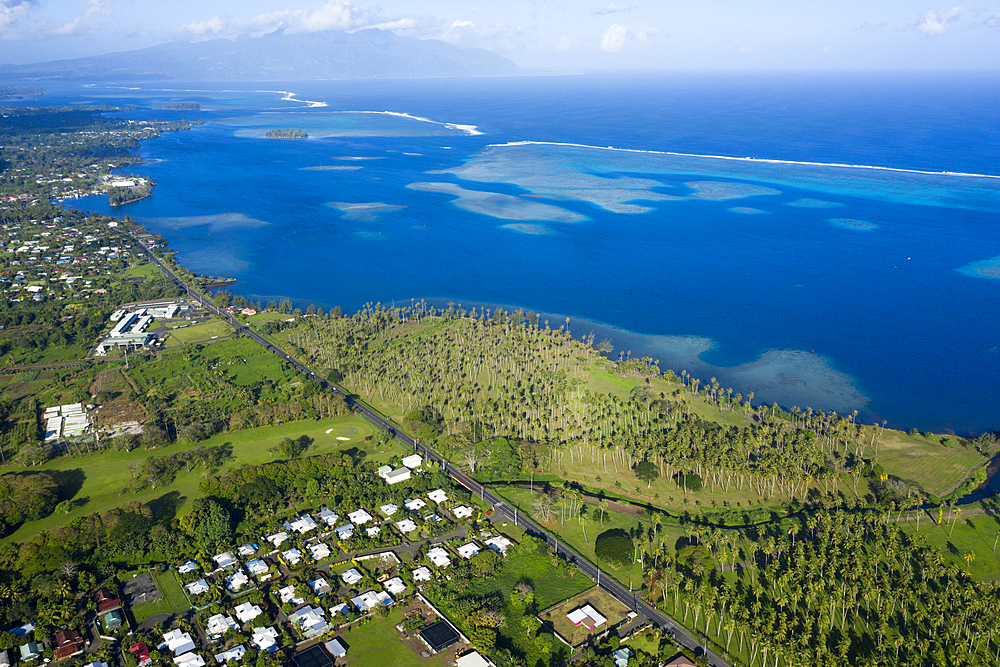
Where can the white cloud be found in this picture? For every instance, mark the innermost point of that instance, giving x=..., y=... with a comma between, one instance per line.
x=614, y=38
x=334, y=15
x=88, y=22
x=933, y=25
x=602, y=10
x=11, y=15
x=212, y=26
x=568, y=43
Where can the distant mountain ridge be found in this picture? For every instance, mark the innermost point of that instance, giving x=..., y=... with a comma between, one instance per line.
x=370, y=53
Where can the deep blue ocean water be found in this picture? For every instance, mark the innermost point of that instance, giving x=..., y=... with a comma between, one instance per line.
x=860, y=288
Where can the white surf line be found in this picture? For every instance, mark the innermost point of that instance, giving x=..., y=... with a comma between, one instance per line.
x=747, y=159
x=290, y=97
x=468, y=129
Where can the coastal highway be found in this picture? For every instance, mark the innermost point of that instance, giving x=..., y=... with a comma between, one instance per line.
x=501, y=508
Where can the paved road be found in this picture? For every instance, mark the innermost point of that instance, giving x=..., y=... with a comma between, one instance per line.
x=502, y=509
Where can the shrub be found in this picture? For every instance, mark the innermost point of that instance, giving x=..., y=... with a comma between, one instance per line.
x=614, y=546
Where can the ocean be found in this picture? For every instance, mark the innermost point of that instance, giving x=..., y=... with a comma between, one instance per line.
x=851, y=263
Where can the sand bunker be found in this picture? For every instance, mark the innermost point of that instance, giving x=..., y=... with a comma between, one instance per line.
x=329, y=430
x=987, y=268
x=339, y=437
x=364, y=211
x=849, y=223
x=499, y=205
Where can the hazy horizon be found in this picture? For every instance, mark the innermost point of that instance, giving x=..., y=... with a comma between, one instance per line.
x=543, y=37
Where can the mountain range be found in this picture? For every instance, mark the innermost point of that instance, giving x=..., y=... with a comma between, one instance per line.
x=370, y=53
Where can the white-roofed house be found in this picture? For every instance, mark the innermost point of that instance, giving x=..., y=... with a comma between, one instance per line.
x=586, y=616
x=413, y=461
x=319, y=551
x=462, y=512
x=320, y=586
x=421, y=574
x=335, y=648
x=237, y=580
x=246, y=550
x=498, y=543
x=310, y=621
x=178, y=641
x=345, y=532
x=414, y=504
x=265, y=639
x=396, y=476
x=277, y=538
x=246, y=612
x=303, y=524
x=197, y=587
x=234, y=654
x=352, y=576
x=219, y=624
x=257, y=567
x=370, y=600
x=189, y=660
x=188, y=566
x=406, y=526
x=389, y=509
x=328, y=516
x=341, y=608
x=287, y=596
x=439, y=557
x=472, y=659
x=373, y=530
x=360, y=517
x=292, y=557
x=437, y=496
x=468, y=550
x=224, y=560
x=394, y=586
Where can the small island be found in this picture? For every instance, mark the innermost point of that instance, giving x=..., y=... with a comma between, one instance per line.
x=287, y=134
x=184, y=106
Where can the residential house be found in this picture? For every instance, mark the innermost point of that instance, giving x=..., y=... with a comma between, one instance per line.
x=468, y=550
x=360, y=517
x=414, y=504
x=67, y=643
x=310, y=622
x=319, y=551
x=462, y=512
x=421, y=574
x=303, y=524
x=141, y=653
x=586, y=616
x=189, y=660
x=352, y=576
x=287, y=596
x=472, y=659
x=31, y=651
x=257, y=567
x=498, y=543
x=198, y=587
x=389, y=509
x=621, y=656
x=265, y=639
x=394, y=586
x=277, y=538
x=292, y=557
x=219, y=624
x=225, y=560
x=234, y=654
x=320, y=586
x=335, y=648
x=406, y=526
x=439, y=557
x=370, y=600
x=438, y=496
x=246, y=612
x=345, y=532
x=373, y=530
x=328, y=516
x=113, y=620
x=188, y=566
x=237, y=580
x=106, y=601
x=178, y=641
x=413, y=461
x=396, y=476
x=247, y=550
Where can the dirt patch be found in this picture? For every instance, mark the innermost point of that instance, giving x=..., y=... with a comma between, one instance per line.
x=113, y=389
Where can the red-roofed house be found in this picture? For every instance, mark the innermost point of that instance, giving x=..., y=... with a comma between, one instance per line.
x=106, y=601
x=68, y=643
x=141, y=653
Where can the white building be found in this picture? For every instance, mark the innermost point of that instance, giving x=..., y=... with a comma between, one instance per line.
x=237, y=580
x=462, y=512
x=178, y=641
x=345, y=532
x=287, y=596
x=373, y=530
x=413, y=461
x=257, y=567
x=189, y=566
x=277, y=538
x=394, y=586
x=247, y=550
x=406, y=526
x=499, y=543
x=360, y=517
x=265, y=639
x=414, y=504
x=246, y=612
x=396, y=476
x=439, y=557
x=370, y=600
x=189, y=660
x=328, y=516
x=468, y=550
x=421, y=574
x=303, y=524
x=389, y=509
x=197, y=587
x=234, y=654
x=292, y=556
x=352, y=577
x=224, y=560
x=437, y=496
x=319, y=551
x=218, y=625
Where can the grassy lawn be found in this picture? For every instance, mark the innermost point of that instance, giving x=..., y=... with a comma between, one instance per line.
x=142, y=270
x=976, y=533
x=105, y=473
x=935, y=467
x=377, y=644
x=197, y=332
x=603, y=602
x=171, y=598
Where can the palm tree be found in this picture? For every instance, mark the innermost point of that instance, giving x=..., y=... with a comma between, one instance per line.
x=544, y=506
x=603, y=505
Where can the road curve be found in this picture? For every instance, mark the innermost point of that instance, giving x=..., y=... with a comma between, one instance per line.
x=501, y=507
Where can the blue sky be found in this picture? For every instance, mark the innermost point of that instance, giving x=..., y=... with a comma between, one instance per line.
x=567, y=35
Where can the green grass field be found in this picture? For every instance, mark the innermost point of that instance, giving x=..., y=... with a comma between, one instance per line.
x=935, y=467
x=171, y=598
x=973, y=532
x=197, y=332
x=377, y=644
x=142, y=270
x=105, y=473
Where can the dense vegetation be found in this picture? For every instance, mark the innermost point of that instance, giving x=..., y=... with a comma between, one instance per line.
x=287, y=134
